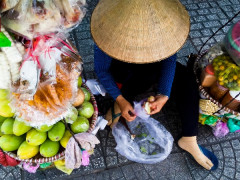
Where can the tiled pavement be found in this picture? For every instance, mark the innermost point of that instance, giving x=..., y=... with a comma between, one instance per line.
x=106, y=164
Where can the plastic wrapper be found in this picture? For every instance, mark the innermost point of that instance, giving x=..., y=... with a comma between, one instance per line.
x=232, y=42
x=220, y=130
x=95, y=87
x=149, y=142
x=48, y=97
x=7, y=4
x=33, y=17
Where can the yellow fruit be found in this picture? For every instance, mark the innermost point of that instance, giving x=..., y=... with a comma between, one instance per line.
x=5, y=109
x=35, y=137
x=44, y=128
x=235, y=77
x=20, y=128
x=67, y=135
x=26, y=151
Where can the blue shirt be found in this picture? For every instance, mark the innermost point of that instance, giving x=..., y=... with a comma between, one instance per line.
x=102, y=63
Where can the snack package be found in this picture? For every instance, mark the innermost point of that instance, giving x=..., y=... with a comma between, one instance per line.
x=30, y=18
x=48, y=82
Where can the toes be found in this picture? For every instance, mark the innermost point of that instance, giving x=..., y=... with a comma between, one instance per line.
x=209, y=163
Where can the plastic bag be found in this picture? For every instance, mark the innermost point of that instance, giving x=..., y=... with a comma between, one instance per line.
x=150, y=142
x=232, y=42
x=56, y=87
x=33, y=17
x=95, y=87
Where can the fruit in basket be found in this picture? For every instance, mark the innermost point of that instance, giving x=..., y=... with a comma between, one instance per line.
x=3, y=94
x=57, y=132
x=79, y=81
x=20, y=128
x=5, y=109
x=26, y=151
x=227, y=72
x=87, y=94
x=0, y=128
x=80, y=125
x=7, y=126
x=35, y=137
x=72, y=116
x=67, y=135
x=86, y=109
x=80, y=98
x=44, y=128
x=2, y=118
x=49, y=148
x=10, y=142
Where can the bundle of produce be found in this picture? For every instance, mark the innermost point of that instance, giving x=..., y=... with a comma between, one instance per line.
x=26, y=143
x=33, y=17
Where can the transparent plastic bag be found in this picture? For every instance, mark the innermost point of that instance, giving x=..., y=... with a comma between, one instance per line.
x=56, y=87
x=150, y=142
x=30, y=18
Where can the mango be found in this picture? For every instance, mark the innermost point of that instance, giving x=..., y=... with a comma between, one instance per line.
x=86, y=109
x=3, y=94
x=26, y=151
x=10, y=142
x=5, y=109
x=67, y=135
x=79, y=81
x=7, y=126
x=49, y=148
x=2, y=118
x=35, y=137
x=57, y=132
x=0, y=128
x=72, y=115
x=87, y=94
x=80, y=125
x=20, y=128
x=44, y=128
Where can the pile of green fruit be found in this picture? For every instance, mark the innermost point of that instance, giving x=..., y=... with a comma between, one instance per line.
x=28, y=142
x=227, y=72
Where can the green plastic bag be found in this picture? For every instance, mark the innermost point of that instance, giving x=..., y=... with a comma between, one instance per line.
x=4, y=41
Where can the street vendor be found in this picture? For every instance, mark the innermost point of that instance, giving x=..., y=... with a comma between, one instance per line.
x=136, y=45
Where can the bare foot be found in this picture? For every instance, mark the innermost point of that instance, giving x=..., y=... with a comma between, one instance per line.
x=190, y=145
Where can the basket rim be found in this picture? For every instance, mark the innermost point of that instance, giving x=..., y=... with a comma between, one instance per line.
x=61, y=155
x=205, y=93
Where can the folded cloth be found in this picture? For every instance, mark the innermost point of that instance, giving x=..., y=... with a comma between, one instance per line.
x=73, y=154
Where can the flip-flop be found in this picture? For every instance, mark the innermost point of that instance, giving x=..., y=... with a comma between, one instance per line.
x=210, y=156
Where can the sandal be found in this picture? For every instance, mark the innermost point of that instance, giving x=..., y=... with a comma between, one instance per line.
x=113, y=115
x=210, y=156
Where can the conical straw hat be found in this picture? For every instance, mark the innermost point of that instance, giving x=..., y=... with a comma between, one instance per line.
x=140, y=31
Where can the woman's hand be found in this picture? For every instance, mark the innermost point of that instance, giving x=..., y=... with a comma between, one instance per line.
x=126, y=108
x=156, y=106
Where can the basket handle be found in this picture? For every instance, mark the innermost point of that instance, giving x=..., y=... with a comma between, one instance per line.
x=230, y=20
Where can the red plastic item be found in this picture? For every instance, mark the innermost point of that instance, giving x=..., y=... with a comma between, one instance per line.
x=6, y=160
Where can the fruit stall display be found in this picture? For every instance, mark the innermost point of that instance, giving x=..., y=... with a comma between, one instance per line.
x=218, y=75
x=46, y=111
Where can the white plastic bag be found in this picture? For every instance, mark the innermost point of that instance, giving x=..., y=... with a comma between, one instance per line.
x=95, y=87
x=152, y=142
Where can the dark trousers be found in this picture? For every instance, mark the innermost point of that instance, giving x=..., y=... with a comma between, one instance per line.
x=184, y=90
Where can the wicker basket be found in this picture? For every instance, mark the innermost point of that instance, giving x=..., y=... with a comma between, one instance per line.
x=222, y=110
x=61, y=155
